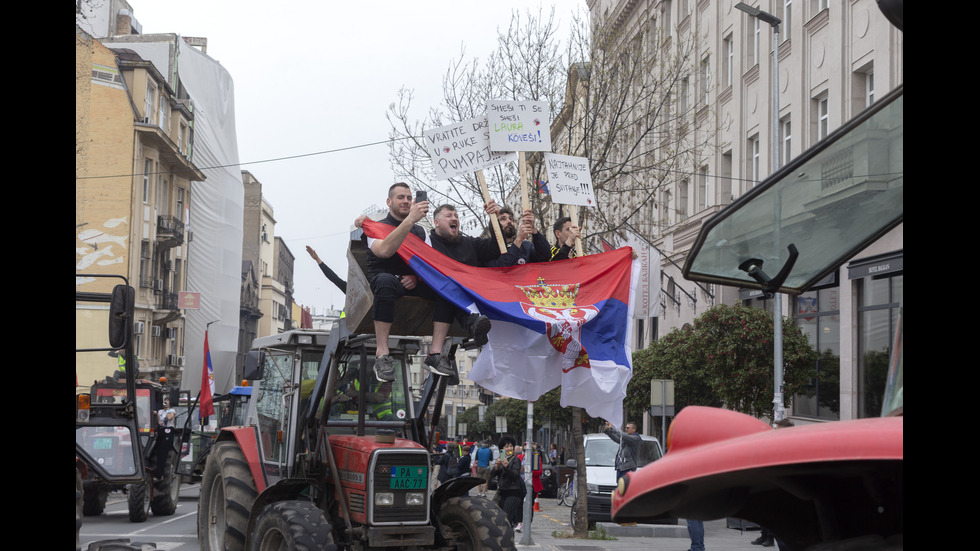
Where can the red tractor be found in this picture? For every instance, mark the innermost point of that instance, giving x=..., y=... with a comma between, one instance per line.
x=333, y=458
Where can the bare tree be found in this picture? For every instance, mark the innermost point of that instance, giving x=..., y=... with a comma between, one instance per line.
x=623, y=97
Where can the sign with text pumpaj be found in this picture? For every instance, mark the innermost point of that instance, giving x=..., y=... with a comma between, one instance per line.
x=569, y=180
x=519, y=125
x=462, y=148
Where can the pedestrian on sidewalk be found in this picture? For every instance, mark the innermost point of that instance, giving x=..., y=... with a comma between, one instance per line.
x=695, y=529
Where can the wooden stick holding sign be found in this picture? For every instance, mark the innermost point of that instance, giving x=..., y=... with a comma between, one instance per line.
x=493, y=219
x=525, y=196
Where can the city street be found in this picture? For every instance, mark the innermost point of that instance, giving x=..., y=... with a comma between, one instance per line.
x=550, y=530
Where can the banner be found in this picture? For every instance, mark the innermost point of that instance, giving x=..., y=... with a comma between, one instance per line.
x=555, y=324
x=206, y=403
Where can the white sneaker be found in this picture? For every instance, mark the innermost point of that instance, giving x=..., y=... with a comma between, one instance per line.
x=519, y=527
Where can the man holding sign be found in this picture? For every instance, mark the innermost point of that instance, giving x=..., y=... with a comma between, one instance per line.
x=519, y=250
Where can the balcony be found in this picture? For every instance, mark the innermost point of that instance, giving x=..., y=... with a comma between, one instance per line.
x=170, y=231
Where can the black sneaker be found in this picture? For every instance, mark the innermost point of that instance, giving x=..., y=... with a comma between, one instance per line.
x=438, y=364
x=478, y=326
x=383, y=369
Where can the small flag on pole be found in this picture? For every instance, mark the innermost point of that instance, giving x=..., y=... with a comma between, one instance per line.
x=207, y=382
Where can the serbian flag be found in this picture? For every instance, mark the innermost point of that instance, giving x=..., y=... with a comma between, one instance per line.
x=562, y=323
x=207, y=382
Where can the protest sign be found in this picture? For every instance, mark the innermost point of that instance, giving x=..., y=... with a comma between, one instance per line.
x=519, y=125
x=569, y=180
x=462, y=148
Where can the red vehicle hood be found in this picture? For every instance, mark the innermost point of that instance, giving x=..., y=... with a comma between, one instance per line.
x=726, y=464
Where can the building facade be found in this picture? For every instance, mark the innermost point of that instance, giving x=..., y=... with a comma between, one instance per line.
x=835, y=57
x=134, y=149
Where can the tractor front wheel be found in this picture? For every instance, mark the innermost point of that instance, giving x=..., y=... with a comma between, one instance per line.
x=477, y=522
x=292, y=525
x=227, y=494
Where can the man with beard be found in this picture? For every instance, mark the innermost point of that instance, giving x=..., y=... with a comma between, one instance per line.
x=473, y=251
x=516, y=233
x=391, y=278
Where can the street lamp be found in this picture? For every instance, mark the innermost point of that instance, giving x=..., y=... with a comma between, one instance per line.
x=777, y=314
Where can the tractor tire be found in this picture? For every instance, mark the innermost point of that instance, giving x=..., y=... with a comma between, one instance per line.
x=226, y=497
x=166, y=489
x=139, y=499
x=292, y=525
x=93, y=499
x=477, y=522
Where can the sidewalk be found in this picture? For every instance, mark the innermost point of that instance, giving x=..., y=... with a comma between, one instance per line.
x=553, y=521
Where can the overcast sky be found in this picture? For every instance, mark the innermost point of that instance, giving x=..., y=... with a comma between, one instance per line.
x=316, y=76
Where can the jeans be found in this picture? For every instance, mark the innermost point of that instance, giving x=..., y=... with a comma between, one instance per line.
x=695, y=528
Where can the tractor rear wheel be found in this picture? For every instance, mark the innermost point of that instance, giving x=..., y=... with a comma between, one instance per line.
x=478, y=523
x=292, y=526
x=227, y=494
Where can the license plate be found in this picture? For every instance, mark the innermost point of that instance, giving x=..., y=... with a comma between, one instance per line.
x=409, y=478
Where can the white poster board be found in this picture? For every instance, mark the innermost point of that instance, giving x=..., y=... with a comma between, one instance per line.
x=462, y=148
x=519, y=125
x=569, y=180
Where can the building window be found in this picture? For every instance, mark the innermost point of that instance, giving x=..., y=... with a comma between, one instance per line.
x=729, y=65
x=682, y=200
x=879, y=300
x=146, y=264
x=869, y=89
x=704, y=83
x=164, y=118
x=150, y=106
x=704, y=191
x=785, y=12
x=725, y=194
x=163, y=197
x=754, y=159
x=665, y=208
x=818, y=315
x=821, y=108
x=147, y=174
x=786, y=134
x=754, y=39
x=180, y=204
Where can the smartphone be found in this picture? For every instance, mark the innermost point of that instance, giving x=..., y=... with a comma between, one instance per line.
x=421, y=195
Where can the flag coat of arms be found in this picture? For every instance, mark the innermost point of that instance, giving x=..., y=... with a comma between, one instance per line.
x=562, y=323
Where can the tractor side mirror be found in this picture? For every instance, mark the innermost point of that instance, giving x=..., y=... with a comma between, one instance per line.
x=254, y=365
x=120, y=315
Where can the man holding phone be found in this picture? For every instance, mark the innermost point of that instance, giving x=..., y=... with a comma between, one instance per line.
x=391, y=278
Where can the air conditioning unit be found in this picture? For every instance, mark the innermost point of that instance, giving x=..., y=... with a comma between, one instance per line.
x=180, y=361
x=156, y=331
x=138, y=328
x=172, y=360
x=158, y=285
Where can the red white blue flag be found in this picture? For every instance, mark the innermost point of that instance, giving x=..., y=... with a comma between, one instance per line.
x=562, y=323
x=206, y=403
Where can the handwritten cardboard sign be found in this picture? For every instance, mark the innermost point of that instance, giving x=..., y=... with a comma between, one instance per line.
x=462, y=148
x=519, y=125
x=569, y=180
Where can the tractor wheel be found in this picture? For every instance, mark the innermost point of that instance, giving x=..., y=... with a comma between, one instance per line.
x=227, y=494
x=139, y=499
x=93, y=499
x=477, y=522
x=292, y=525
x=166, y=490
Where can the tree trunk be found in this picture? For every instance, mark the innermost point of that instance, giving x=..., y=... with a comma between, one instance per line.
x=581, y=528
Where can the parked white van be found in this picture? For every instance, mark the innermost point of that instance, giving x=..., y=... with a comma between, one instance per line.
x=600, y=472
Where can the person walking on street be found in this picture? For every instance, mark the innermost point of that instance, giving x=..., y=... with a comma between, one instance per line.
x=695, y=529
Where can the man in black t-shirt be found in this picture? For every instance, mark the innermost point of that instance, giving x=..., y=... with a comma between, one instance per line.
x=391, y=278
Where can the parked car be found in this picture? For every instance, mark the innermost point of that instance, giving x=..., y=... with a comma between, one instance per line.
x=600, y=474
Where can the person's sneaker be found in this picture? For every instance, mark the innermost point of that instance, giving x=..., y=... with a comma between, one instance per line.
x=438, y=364
x=478, y=326
x=519, y=527
x=383, y=369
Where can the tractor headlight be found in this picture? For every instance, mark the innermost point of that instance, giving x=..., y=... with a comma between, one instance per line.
x=414, y=499
x=384, y=498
